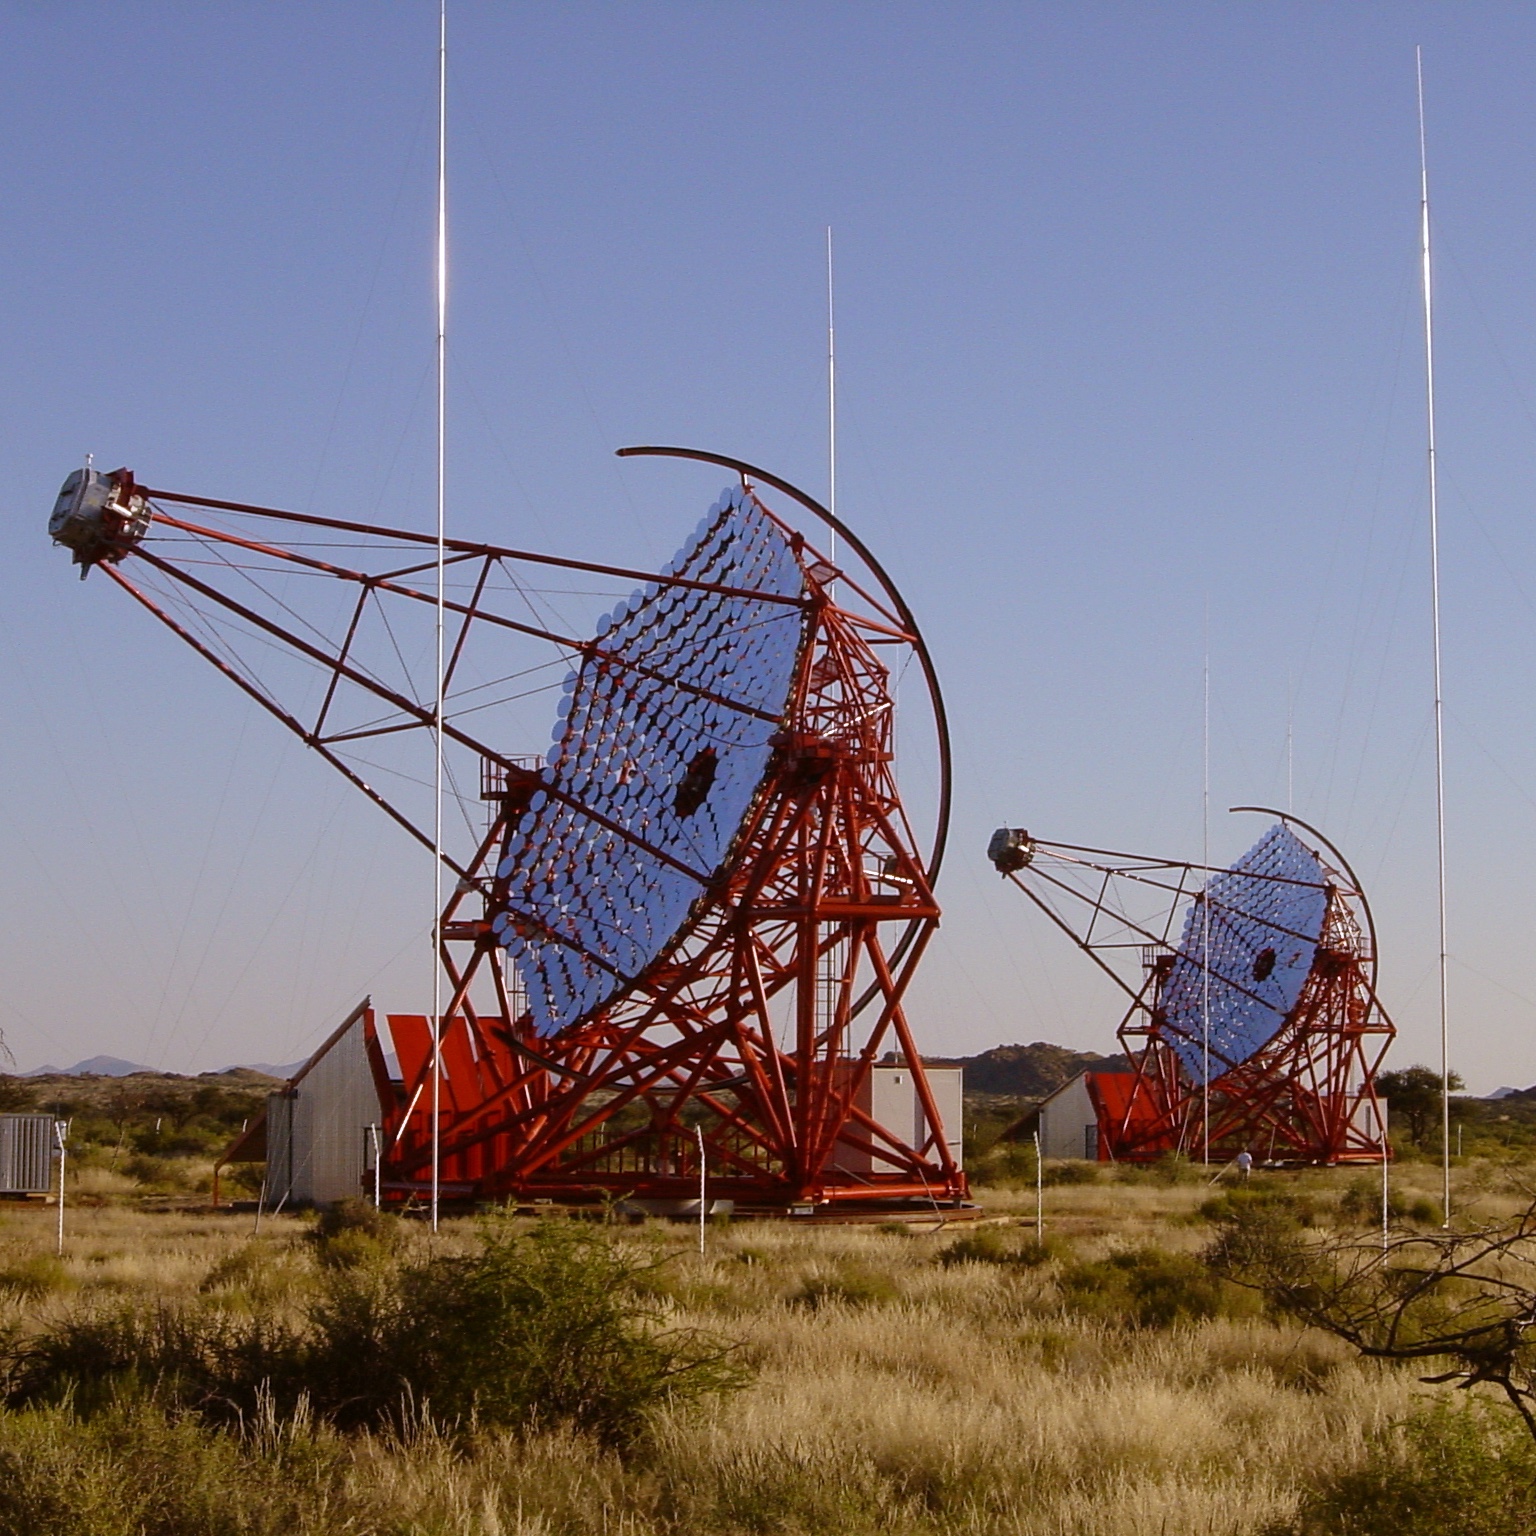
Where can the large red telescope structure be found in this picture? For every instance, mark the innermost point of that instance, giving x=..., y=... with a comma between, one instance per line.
x=691, y=922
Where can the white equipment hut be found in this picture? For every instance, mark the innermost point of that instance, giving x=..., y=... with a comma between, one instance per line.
x=1067, y=1121
x=888, y=1095
x=319, y=1133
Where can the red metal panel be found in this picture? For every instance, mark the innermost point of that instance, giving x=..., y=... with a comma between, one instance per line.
x=412, y=1034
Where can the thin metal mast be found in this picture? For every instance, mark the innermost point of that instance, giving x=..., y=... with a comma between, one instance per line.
x=1290, y=746
x=1205, y=904
x=831, y=955
x=437, y=716
x=831, y=403
x=1434, y=586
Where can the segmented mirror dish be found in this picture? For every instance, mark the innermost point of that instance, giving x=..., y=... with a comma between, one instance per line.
x=1266, y=921
x=663, y=732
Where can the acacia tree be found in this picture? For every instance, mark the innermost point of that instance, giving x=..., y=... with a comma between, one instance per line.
x=1464, y=1299
x=1414, y=1092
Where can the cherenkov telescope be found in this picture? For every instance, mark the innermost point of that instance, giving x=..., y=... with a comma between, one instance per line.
x=1253, y=1021
x=696, y=915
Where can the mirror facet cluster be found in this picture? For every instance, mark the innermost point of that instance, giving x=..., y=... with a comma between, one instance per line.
x=662, y=733
x=1266, y=922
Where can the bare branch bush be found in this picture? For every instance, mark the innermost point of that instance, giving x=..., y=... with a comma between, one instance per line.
x=1463, y=1299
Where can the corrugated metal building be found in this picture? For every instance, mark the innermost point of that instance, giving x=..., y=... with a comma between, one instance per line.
x=319, y=1147
x=27, y=1152
x=314, y=1135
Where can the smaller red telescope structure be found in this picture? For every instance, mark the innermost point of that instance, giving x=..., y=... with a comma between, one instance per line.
x=1253, y=1022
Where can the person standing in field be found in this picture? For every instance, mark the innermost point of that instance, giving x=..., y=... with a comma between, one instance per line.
x=1245, y=1163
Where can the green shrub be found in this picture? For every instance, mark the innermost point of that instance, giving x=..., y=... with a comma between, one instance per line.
x=1468, y=1469
x=1260, y=1202
x=542, y=1328
x=189, y=1356
x=136, y=1471
x=1008, y=1165
x=849, y=1287
x=797, y=1490
x=995, y=1245
x=39, y=1275
x=1361, y=1203
x=155, y=1172
x=1149, y=1288
x=234, y=1269
x=246, y=1178
x=1170, y=1168
x=1175, y=1168
x=1258, y=1233
x=255, y=1274
x=352, y=1232
x=1420, y=1212
x=16, y=1094
x=1011, y=1165
x=1070, y=1171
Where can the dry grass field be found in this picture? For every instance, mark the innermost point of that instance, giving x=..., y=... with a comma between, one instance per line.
x=893, y=1385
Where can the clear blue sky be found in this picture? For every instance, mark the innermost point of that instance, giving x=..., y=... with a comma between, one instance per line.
x=1129, y=356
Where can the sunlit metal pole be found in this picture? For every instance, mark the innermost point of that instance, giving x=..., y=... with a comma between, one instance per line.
x=1039, y=1193
x=831, y=408
x=698, y=1131
x=60, y=1136
x=378, y=1157
x=1205, y=908
x=1381, y=1120
x=437, y=717
x=1434, y=587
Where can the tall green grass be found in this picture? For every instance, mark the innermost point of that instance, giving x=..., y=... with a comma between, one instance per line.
x=536, y=1328
x=1467, y=1469
x=349, y=1377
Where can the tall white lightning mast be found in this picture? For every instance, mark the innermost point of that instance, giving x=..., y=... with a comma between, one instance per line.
x=437, y=715
x=1434, y=586
x=831, y=401
x=1290, y=745
x=1205, y=902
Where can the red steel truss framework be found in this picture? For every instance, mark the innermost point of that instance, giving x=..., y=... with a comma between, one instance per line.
x=1307, y=1096
x=762, y=1026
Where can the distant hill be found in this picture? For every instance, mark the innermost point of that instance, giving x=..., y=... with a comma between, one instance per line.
x=1027, y=1071
x=115, y=1066
x=93, y=1066
x=266, y=1068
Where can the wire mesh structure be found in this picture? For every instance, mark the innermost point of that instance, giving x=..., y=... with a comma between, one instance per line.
x=1253, y=1012
x=698, y=911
